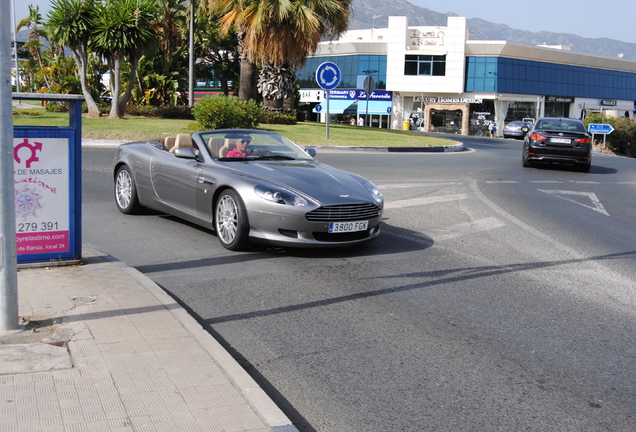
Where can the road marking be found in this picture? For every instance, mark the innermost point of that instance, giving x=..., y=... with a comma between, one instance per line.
x=596, y=204
x=462, y=229
x=424, y=201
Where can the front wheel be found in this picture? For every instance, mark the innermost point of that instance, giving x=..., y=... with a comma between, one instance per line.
x=126, y=192
x=230, y=221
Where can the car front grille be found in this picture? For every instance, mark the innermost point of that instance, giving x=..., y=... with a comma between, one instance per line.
x=344, y=212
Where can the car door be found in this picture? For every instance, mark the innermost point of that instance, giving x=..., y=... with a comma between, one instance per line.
x=175, y=181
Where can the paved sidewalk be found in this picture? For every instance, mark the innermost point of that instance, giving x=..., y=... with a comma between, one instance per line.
x=104, y=348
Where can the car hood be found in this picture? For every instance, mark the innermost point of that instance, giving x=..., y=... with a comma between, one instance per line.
x=323, y=183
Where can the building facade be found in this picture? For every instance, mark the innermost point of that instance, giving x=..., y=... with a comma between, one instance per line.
x=438, y=80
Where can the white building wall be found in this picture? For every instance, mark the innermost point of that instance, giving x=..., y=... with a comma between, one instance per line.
x=403, y=40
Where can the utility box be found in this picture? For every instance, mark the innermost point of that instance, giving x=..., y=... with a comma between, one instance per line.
x=47, y=164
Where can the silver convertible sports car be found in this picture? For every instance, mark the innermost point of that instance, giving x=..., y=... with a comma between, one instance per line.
x=249, y=186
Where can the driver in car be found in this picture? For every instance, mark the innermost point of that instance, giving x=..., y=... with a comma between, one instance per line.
x=241, y=149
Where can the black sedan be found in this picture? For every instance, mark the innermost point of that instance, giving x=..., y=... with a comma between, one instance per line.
x=558, y=140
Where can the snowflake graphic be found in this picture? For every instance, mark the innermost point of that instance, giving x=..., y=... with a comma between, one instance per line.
x=27, y=202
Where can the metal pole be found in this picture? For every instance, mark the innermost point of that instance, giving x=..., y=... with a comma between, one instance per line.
x=191, y=74
x=15, y=51
x=328, y=116
x=8, y=257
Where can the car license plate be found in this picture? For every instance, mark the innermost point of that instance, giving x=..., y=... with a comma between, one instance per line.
x=342, y=227
x=560, y=140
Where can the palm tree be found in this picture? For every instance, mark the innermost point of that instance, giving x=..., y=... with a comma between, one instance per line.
x=70, y=24
x=123, y=30
x=36, y=30
x=279, y=34
x=169, y=26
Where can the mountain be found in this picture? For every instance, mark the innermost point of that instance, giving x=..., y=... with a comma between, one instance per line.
x=479, y=29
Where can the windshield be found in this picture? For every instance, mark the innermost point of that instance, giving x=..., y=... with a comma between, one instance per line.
x=242, y=144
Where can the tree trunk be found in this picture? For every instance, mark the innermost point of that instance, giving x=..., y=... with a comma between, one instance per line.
x=81, y=59
x=247, y=83
x=272, y=104
x=121, y=108
x=115, y=87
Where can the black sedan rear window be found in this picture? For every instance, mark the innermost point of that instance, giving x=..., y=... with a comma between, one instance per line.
x=561, y=125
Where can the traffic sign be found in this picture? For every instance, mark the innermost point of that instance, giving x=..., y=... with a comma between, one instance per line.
x=328, y=75
x=601, y=129
x=369, y=85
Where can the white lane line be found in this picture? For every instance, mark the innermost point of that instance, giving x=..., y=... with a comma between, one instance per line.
x=596, y=204
x=424, y=201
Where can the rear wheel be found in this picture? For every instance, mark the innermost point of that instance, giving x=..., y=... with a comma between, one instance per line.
x=230, y=221
x=126, y=192
x=526, y=163
x=585, y=167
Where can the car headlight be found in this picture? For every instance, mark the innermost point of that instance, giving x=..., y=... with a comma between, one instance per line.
x=374, y=192
x=279, y=195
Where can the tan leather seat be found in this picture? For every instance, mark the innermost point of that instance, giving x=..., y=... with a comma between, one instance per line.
x=227, y=148
x=169, y=142
x=182, y=141
x=215, y=144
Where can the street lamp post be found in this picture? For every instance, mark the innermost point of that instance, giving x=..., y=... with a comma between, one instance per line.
x=15, y=50
x=191, y=65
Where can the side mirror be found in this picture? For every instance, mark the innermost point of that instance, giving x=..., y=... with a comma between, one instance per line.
x=311, y=152
x=185, y=153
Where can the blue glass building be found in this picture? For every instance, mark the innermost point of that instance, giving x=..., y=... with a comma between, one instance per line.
x=437, y=79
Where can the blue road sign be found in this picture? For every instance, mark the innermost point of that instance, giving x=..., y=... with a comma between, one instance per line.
x=602, y=129
x=328, y=75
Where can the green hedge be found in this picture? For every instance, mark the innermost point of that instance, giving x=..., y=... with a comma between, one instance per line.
x=279, y=117
x=622, y=140
x=221, y=112
x=165, y=111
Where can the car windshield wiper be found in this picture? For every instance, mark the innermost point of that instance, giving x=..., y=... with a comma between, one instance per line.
x=234, y=159
x=274, y=157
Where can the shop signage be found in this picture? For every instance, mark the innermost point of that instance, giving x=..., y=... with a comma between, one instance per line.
x=420, y=38
x=453, y=100
x=354, y=94
x=562, y=99
x=606, y=102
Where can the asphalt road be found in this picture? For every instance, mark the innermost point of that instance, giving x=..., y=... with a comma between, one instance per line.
x=496, y=298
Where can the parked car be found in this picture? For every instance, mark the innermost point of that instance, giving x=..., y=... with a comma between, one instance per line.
x=248, y=186
x=558, y=140
x=516, y=129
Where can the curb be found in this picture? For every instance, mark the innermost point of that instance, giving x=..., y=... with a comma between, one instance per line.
x=262, y=403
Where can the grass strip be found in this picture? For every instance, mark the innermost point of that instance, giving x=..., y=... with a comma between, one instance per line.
x=304, y=133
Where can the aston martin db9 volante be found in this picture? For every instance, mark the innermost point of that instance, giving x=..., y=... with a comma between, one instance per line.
x=557, y=139
x=249, y=186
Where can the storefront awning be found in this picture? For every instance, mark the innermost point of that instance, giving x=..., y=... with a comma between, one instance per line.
x=354, y=107
x=337, y=106
x=375, y=107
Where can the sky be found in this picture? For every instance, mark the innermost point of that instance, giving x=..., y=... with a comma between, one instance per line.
x=614, y=19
